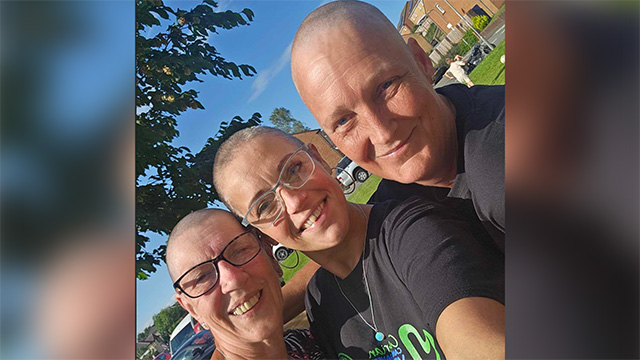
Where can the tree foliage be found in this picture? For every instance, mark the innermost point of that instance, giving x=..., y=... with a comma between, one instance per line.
x=144, y=333
x=167, y=319
x=282, y=119
x=480, y=22
x=173, y=51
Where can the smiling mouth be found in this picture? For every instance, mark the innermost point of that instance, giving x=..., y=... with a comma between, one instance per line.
x=399, y=147
x=247, y=305
x=313, y=217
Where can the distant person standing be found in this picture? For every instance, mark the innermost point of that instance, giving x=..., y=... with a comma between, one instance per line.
x=456, y=69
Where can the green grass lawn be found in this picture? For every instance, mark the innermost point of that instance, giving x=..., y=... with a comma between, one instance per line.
x=364, y=192
x=291, y=261
x=360, y=196
x=490, y=71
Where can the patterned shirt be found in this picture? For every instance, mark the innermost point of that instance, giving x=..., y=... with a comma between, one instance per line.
x=301, y=345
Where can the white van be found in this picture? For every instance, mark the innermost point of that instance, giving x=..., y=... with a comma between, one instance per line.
x=183, y=332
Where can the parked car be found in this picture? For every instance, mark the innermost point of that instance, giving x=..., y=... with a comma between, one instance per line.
x=281, y=252
x=478, y=52
x=199, y=347
x=182, y=332
x=165, y=355
x=350, y=167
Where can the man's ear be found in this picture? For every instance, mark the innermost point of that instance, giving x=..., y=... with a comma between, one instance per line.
x=316, y=154
x=423, y=61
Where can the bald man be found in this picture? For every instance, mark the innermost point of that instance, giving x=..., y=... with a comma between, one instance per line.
x=372, y=94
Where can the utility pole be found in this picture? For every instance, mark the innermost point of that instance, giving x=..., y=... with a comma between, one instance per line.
x=485, y=41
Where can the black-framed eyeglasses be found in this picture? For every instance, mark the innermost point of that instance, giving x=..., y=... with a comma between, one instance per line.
x=266, y=210
x=203, y=277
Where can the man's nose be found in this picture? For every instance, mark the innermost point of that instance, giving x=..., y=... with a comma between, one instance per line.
x=231, y=277
x=382, y=126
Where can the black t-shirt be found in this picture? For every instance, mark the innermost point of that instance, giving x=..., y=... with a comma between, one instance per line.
x=480, y=127
x=420, y=257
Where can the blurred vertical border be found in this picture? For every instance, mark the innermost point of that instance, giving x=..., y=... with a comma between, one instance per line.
x=67, y=176
x=572, y=165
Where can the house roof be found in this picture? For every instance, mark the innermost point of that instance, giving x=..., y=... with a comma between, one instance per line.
x=404, y=15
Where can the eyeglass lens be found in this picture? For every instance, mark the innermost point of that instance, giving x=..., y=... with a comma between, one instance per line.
x=204, y=277
x=294, y=175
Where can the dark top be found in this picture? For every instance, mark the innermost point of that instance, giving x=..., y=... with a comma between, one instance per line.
x=301, y=345
x=420, y=257
x=480, y=127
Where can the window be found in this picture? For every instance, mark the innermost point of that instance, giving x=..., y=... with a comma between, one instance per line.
x=440, y=8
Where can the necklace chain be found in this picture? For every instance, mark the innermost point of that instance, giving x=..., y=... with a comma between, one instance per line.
x=223, y=355
x=373, y=327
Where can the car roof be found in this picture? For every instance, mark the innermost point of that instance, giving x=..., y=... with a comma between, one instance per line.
x=192, y=339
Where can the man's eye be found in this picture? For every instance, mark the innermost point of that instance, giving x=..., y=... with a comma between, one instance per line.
x=342, y=121
x=387, y=84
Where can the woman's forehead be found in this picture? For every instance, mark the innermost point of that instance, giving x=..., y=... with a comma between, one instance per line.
x=255, y=168
x=272, y=144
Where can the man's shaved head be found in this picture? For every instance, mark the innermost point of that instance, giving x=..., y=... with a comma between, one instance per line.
x=189, y=226
x=359, y=18
x=372, y=94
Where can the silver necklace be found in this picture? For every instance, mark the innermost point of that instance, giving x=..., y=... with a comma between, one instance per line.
x=223, y=355
x=379, y=335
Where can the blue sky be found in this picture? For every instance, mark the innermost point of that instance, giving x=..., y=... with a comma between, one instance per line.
x=265, y=45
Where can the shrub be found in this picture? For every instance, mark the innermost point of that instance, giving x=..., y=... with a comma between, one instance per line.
x=470, y=38
x=480, y=22
x=431, y=32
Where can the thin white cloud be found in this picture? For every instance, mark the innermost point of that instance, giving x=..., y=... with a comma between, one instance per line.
x=261, y=82
x=147, y=323
x=223, y=5
x=171, y=301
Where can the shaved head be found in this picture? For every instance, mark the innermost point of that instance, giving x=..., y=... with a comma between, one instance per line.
x=183, y=233
x=372, y=94
x=228, y=150
x=360, y=19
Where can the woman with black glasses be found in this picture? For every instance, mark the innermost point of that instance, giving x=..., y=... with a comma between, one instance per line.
x=398, y=280
x=226, y=277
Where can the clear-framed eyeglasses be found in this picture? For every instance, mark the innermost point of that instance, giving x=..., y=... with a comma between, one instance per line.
x=266, y=210
x=203, y=277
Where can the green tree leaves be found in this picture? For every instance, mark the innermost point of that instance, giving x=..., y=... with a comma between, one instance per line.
x=282, y=119
x=173, y=50
x=167, y=319
x=480, y=22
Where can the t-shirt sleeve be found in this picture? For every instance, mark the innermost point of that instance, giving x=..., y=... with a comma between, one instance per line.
x=485, y=164
x=442, y=256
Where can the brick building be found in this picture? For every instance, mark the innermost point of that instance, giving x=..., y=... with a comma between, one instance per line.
x=325, y=147
x=446, y=15
x=405, y=25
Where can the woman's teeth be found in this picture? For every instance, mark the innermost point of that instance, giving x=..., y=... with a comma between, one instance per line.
x=312, y=219
x=248, y=305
